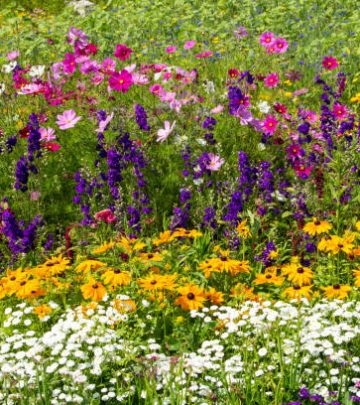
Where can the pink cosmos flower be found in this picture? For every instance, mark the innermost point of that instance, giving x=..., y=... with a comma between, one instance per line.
x=189, y=44
x=266, y=38
x=97, y=78
x=77, y=37
x=140, y=79
x=105, y=216
x=103, y=124
x=340, y=111
x=31, y=88
x=309, y=116
x=89, y=66
x=299, y=92
x=330, y=63
x=122, y=52
x=121, y=81
x=170, y=49
x=163, y=133
x=81, y=58
x=218, y=109
x=167, y=76
x=205, y=54
x=130, y=68
x=270, y=49
x=47, y=134
x=67, y=120
x=241, y=32
x=34, y=195
x=215, y=162
x=280, y=45
x=271, y=80
x=156, y=89
x=269, y=125
x=167, y=97
x=108, y=65
x=13, y=55
x=57, y=69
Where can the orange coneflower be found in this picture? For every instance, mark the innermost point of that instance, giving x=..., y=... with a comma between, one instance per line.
x=191, y=297
x=130, y=245
x=88, y=265
x=317, y=227
x=93, y=290
x=188, y=233
x=164, y=237
x=42, y=310
x=243, y=230
x=298, y=274
x=156, y=281
x=336, y=291
x=106, y=246
x=244, y=292
x=52, y=266
x=124, y=306
x=268, y=278
x=26, y=288
x=148, y=258
x=116, y=277
x=215, y=297
x=298, y=292
x=357, y=277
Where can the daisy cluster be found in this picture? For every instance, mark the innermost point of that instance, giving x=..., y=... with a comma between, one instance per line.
x=84, y=354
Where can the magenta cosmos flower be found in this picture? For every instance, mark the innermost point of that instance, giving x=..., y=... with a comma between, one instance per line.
x=215, y=162
x=69, y=63
x=67, y=120
x=205, y=54
x=170, y=49
x=330, y=63
x=122, y=52
x=269, y=125
x=281, y=45
x=340, y=111
x=266, y=38
x=271, y=80
x=121, y=81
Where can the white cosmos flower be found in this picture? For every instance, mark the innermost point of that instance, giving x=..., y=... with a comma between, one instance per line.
x=9, y=67
x=37, y=71
x=264, y=107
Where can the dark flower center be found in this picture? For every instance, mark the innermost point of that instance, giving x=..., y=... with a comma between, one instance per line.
x=317, y=223
x=153, y=282
x=296, y=287
x=300, y=270
x=117, y=271
x=336, y=287
x=150, y=256
x=224, y=259
x=340, y=245
x=191, y=296
x=52, y=264
x=95, y=286
x=268, y=276
x=23, y=283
